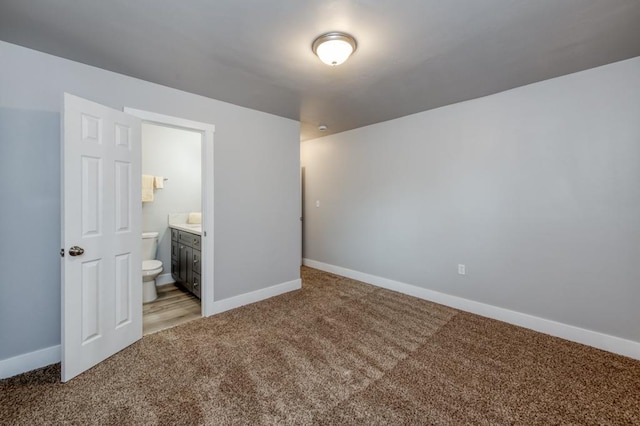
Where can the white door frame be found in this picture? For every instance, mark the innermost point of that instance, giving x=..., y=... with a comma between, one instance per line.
x=207, y=131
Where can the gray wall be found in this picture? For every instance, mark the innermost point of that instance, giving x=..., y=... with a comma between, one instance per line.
x=256, y=190
x=175, y=154
x=536, y=190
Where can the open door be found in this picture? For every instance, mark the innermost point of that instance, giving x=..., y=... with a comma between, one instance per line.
x=101, y=234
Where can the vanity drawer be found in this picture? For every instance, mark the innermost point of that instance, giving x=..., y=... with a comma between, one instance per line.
x=174, y=234
x=195, y=241
x=192, y=240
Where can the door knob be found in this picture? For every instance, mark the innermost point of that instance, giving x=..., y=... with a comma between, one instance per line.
x=76, y=251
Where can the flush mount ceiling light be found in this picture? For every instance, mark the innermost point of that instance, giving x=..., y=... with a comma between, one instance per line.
x=334, y=48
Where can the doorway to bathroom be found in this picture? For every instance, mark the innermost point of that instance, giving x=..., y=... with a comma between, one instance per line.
x=171, y=207
x=101, y=229
x=177, y=157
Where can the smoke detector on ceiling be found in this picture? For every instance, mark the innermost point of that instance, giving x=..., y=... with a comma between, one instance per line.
x=323, y=127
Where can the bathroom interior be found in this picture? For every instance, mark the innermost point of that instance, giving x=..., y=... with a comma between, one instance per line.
x=172, y=226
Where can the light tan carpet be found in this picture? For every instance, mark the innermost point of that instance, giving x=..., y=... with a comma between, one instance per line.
x=337, y=352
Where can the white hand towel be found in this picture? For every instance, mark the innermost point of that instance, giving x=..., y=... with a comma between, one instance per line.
x=158, y=182
x=147, y=188
x=195, y=217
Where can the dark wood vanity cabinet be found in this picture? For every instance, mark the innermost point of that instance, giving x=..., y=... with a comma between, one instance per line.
x=185, y=260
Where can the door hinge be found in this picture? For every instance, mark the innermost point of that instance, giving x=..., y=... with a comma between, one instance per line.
x=61, y=252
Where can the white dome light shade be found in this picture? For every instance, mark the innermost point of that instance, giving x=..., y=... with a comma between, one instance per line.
x=334, y=48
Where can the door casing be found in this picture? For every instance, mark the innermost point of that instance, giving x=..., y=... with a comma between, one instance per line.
x=207, y=130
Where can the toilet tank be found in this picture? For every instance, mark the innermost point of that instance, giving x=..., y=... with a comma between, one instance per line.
x=149, y=245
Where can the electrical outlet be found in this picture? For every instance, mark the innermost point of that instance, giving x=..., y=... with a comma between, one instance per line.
x=462, y=270
x=317, y=203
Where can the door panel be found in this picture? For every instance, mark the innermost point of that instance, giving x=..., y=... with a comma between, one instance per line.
x=122, y=196
x=91, y=208
x=90, y=289
x=123, y=289
x=101, y=285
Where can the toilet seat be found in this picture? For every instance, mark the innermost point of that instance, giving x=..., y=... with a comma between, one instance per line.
x=151, y=267
x=148, y=265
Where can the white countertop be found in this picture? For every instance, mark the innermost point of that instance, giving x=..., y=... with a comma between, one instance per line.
x=188, y=227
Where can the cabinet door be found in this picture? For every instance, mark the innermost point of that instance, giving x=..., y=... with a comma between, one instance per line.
x=189, y=267
x=184, y=265
x=196, y=285
x=175, y=269
x=196, y=261
x=174, y=250
x=182, y=262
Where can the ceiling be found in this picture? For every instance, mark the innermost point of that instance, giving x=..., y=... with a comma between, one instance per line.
x=413, y=55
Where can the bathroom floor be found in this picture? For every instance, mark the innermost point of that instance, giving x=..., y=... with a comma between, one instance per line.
x=174, y=306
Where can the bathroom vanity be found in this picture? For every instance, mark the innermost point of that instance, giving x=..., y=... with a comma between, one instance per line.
x=185, y=256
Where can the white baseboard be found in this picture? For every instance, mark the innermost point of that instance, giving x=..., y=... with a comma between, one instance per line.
x=164, y=279
x=30, y=361
x=41, y=358
x=254, y=296
x=598, y=340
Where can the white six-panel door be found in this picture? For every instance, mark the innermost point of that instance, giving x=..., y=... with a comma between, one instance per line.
x=101, y=234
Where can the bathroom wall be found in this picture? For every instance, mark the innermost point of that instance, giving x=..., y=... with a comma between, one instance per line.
x=256, y=189
x=176, y=155
x=536, y=190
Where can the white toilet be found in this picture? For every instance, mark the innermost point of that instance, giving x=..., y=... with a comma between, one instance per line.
x=151, y=268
